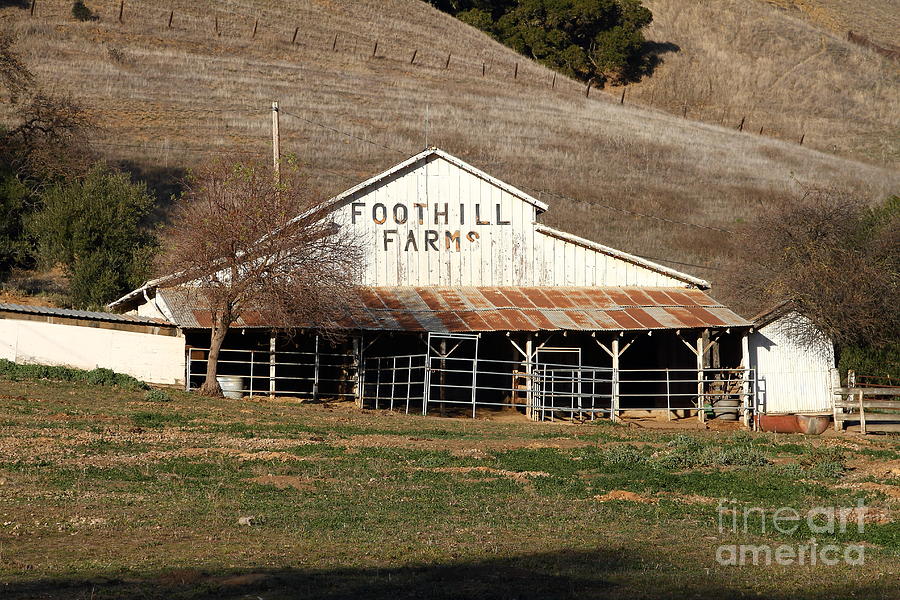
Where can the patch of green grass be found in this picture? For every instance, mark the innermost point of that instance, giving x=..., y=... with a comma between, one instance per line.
x=16, y=372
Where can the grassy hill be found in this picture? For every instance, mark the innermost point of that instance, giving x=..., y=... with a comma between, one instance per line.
x=168, y=97
x=105, y=494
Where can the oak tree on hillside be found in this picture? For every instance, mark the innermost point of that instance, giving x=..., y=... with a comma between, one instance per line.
x=242, y=243
x=837, y=260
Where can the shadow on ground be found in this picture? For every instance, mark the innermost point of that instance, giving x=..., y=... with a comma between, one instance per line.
x=563, y=575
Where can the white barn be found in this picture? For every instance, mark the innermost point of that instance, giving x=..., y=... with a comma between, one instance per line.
x=792, y=377
x=467, y=300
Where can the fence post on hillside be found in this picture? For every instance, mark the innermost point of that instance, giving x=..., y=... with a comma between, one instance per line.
x=375, y=49
x=553, y=83
x=334, y=44
x=121, y=10
x=684, y=110
x=622, y=99
x=587, y=90
x=255, y=25
x=483, y=68
x=760, y=130
x=801, y=138
x=741, y=126
x=294, y=39
x=33, y=2
x=447, y=64
x=413, y=59
x=171, y=16
x=217, y=25
x=516, y=71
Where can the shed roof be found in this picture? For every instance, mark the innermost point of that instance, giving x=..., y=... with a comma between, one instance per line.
x=88, y=315
x=475, y=309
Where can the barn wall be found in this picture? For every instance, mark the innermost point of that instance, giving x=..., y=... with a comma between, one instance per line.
x=791, y=378
x=487, y=237
x=146, y=356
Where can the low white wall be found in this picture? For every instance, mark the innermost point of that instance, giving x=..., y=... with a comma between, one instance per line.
x=146, y=356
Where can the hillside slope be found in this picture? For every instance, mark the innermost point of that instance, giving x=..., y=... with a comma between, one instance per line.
x=169, y=97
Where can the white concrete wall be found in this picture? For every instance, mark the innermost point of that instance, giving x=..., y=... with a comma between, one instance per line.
x=791, y=377
x=486, y=237
x=148, y=357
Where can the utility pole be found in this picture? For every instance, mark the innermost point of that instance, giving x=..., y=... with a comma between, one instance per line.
x=276, y=142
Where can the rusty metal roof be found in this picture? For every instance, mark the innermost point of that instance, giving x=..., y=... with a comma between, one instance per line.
x=89, y=315
x=473, y=309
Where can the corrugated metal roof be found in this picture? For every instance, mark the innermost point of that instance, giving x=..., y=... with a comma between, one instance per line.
x=473, y=309
x=80, y=314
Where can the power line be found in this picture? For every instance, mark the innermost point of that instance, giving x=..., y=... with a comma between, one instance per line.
x=350, y=135
x=633, y=213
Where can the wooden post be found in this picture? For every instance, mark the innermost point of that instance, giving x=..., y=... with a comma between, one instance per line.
x=443, y=379
x=171, y=16
x=700, y=397
x=447, y=64
x=121, y=10
x=359, y=391
x=294, y=39
x=516, y=72
x=217, y=26
x=614, y=405
x=334, y=44
x=272, y=364
x=413, y=59
x=255, y=25
x=33, y=2
x=801, y=138
x=745, y=385
x=741, y=126
x=684, y=111
x=862, y=413
x=587, y=90
x=375, y=49
x=276, y=143
x=483, y=68
x=529, y=371
x=622, y=99
x=760, y=130
x=553, y=83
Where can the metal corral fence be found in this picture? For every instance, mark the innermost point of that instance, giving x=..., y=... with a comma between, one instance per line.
x=309, y=375
x=422, y=382
x=418, y=383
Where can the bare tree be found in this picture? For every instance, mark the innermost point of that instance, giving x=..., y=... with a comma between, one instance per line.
x=244, y=244
x=834, y=258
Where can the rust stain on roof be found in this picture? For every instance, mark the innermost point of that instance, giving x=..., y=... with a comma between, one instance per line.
x=473, y=309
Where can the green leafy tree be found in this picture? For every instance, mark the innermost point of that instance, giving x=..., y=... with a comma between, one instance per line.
x=94, y=227
x=594, y=40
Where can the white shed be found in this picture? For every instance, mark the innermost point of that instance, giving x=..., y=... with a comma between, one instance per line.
x=791, y=377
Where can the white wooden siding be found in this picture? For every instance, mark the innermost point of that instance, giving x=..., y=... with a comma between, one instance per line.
x=517, y=253
x=791, y=378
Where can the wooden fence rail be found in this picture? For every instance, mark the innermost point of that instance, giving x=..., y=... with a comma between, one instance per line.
x=856, y=404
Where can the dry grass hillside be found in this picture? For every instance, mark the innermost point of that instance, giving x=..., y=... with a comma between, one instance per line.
x=168, y=97
x=783, y=73
x=879, y=20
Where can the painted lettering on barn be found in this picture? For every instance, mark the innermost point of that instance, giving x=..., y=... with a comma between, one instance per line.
x=435, y=220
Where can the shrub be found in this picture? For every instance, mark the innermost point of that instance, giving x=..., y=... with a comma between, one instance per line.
x=158, y=396
x=16, y=372
x=82, y=12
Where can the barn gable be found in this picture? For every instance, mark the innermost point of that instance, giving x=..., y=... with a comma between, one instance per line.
x=435, y=220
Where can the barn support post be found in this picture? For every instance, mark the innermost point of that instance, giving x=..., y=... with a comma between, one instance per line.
x=529, y=373
x=614, y=405
x=701, y=414
x=272, y=364
x=442, y=380
x=474, y=376
x=745, y=384
x=360, y=371
x=315, y=389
